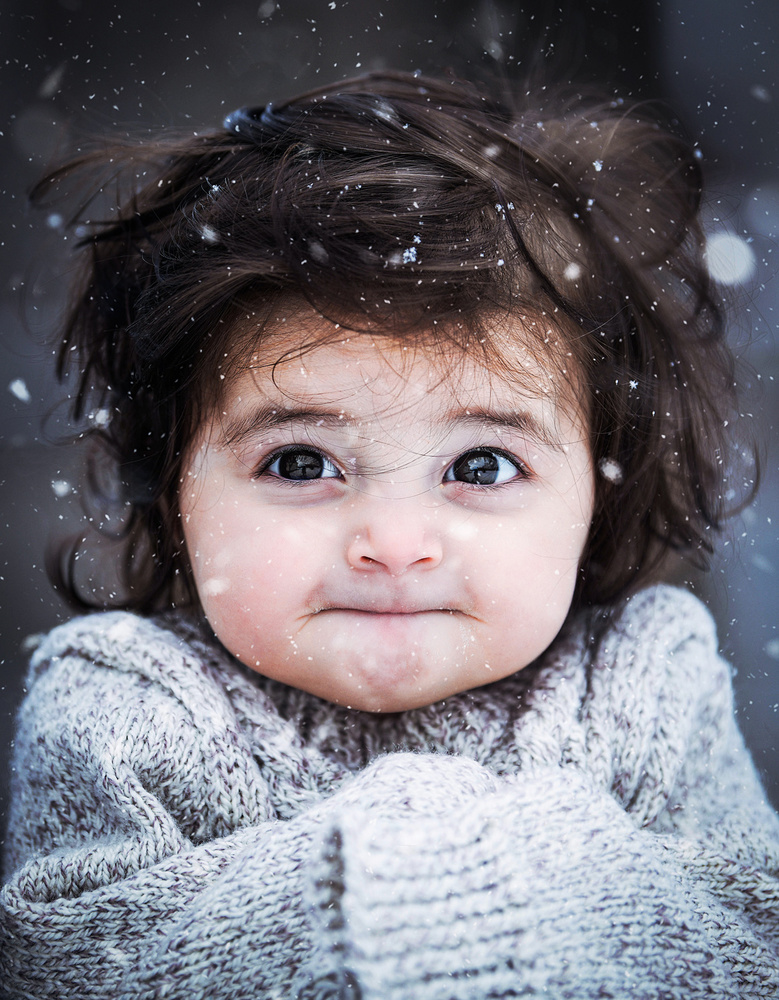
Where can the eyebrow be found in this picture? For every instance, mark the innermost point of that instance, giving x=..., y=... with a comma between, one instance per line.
x=518, y=420
x=267, y=416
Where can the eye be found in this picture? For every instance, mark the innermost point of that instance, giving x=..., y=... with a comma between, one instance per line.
x=299, y=464
x=484, y=467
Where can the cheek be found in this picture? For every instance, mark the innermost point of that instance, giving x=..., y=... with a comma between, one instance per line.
x=251, y=564
x=532, y=563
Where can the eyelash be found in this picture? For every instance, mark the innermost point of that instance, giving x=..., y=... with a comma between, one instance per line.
x=522, y=471
x=279, y=454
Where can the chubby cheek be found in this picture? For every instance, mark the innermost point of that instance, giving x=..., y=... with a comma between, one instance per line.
x=252, y=575
x=528, y=575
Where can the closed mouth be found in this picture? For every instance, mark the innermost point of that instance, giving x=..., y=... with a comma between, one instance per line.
x=392, y=610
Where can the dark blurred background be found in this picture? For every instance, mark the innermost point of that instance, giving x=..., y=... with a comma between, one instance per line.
x=71, y=68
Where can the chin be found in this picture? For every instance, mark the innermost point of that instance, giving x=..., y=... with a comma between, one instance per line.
x=384, y=706
x=391, y=686
x=381, y=696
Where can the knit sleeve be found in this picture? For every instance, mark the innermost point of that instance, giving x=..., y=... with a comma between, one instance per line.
x=147, y=859
x=543, y=887
x=145, y=855
x=648, y=867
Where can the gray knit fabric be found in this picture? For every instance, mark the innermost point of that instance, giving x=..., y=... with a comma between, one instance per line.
x=589, y=827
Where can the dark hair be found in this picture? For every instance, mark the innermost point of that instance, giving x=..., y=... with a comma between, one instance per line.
x=417, y=209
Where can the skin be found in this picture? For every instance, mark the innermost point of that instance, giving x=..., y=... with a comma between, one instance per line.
x=391, y=579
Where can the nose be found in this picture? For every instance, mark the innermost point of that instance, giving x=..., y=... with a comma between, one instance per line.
x=392, y=539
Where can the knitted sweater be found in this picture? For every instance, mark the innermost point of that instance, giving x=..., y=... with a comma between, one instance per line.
x=591, y=826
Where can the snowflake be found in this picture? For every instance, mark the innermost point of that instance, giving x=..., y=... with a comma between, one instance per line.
x=611, y=470
x=19, y=388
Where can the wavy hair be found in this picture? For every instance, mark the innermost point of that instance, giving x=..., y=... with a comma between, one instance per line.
x=418, y=209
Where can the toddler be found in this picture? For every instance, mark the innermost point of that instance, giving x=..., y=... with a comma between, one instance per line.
x=407, y=393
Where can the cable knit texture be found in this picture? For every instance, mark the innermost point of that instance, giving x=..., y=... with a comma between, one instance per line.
x=589, y=827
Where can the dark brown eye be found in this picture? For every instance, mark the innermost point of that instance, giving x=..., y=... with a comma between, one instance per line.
x=301, y=463
x=482, y=467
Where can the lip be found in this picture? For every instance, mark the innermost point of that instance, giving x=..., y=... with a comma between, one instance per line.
x=398, y=610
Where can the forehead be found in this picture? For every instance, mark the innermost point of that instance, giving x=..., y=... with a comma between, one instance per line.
x=294, y=352
x=367, y=387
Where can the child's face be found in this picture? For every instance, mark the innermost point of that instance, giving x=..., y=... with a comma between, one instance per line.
x=366, y=530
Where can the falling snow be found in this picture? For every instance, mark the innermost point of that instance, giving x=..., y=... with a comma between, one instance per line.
x=611, y=470
x=772, y=649
x=730, y=259
x=19, y=388
x=761, y=93
x=100, y=418
x=61, y=487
